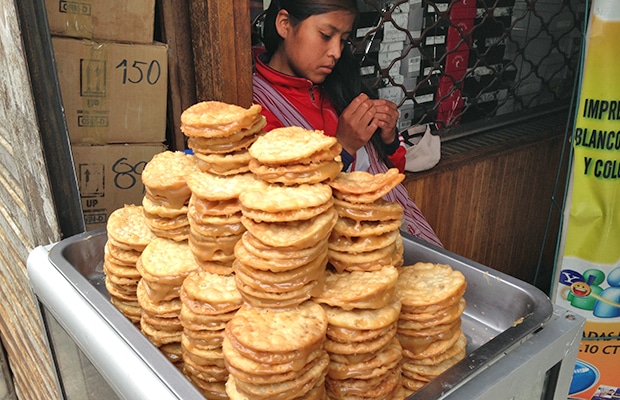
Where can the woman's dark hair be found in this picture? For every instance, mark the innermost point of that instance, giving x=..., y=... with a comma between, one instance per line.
x=344, y=83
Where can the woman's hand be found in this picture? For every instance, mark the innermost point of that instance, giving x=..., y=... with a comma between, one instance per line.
x=362, y=117
x=386, y=118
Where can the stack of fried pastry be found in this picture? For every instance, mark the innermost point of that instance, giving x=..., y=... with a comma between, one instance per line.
x=276, y=353
x=208, y=302
x=280, y=260
x=367, y=234
x=294, y=155
x=215, y=218
x=167, y=194
x=361, y=339
x=429, y=325
x=220, y=134
x=163, y=265
x=128, y=236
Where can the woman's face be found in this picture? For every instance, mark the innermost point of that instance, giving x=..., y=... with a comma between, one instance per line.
x=312, y=48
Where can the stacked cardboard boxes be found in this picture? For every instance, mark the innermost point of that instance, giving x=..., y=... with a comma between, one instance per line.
x=113, y=80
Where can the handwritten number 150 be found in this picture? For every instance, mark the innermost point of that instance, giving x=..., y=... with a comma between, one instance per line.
x=139, y=71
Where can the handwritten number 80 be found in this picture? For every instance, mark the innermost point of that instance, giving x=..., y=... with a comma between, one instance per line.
x=127, y=175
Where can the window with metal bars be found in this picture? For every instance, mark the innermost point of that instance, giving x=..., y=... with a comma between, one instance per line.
x=456, y=63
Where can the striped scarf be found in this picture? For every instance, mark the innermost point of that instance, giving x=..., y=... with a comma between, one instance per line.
x=415, y=223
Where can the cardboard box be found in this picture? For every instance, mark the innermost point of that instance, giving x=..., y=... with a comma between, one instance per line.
x=113, y=20
x=110, y=176
x=113, y=92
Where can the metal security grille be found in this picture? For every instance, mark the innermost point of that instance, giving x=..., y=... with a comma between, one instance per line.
x=466, y=64
x=459, y=62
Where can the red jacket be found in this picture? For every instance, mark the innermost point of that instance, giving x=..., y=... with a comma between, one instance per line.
x=310, y=101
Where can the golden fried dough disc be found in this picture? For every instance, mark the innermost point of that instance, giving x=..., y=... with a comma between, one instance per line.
x=369, y=346
x=199, y=208
x=274, y=332
x=373, y=260
x=165, y=260
x=382, y=387
x=345, y=335
x=121, y=292
x=252, y=370
x=360, y=244
x=349, y=227
x=379, y=210
x=129, y=308
x=418, y=342
x=127, y=228
x=212, y=338
x=203, y=357
x=205, y=344
x=113, y=267
x=206, y=373
x=119, y=255
x=291, y=389
x=220, y=116
x=426, y=320
x=163, y=308
x=278, y=198
x=436, y=307
x=121, y=273
x=164, y=324
x=214, y=293
x=287, y=216
x=180, y=234
x=218, y=226
x=278, y=264
x=363, y=182
x=295, y=233
x=412, y=385
x=329, y=154
x=261, y=250
x=157, y=337
x=281, y=281
x=260, y=298
x=359, y=289
x=217, y=187
x=363, y=319
x=164, y=177
x=152, y=207
x=295, y=174
x=289, y=144
x=225, y=144
x=157, y=223
x=424, y=284
x=224, y=164
x=384, y=361
x=265, y=374
x=435, y=348
x=203, y=322
x=206, y=146
x=432, y=371
x=213, y=249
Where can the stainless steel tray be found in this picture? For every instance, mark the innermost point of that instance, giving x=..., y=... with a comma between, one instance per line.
x=501, y=311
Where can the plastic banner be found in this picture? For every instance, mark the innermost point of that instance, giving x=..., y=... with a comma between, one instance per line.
x=587, y=278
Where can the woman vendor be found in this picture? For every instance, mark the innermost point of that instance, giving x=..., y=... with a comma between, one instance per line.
x=307, y=76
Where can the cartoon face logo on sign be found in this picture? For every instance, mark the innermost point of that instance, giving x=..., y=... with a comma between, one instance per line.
x=584, y=291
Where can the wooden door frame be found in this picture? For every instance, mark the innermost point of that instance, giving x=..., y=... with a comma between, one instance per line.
x=221, y=39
